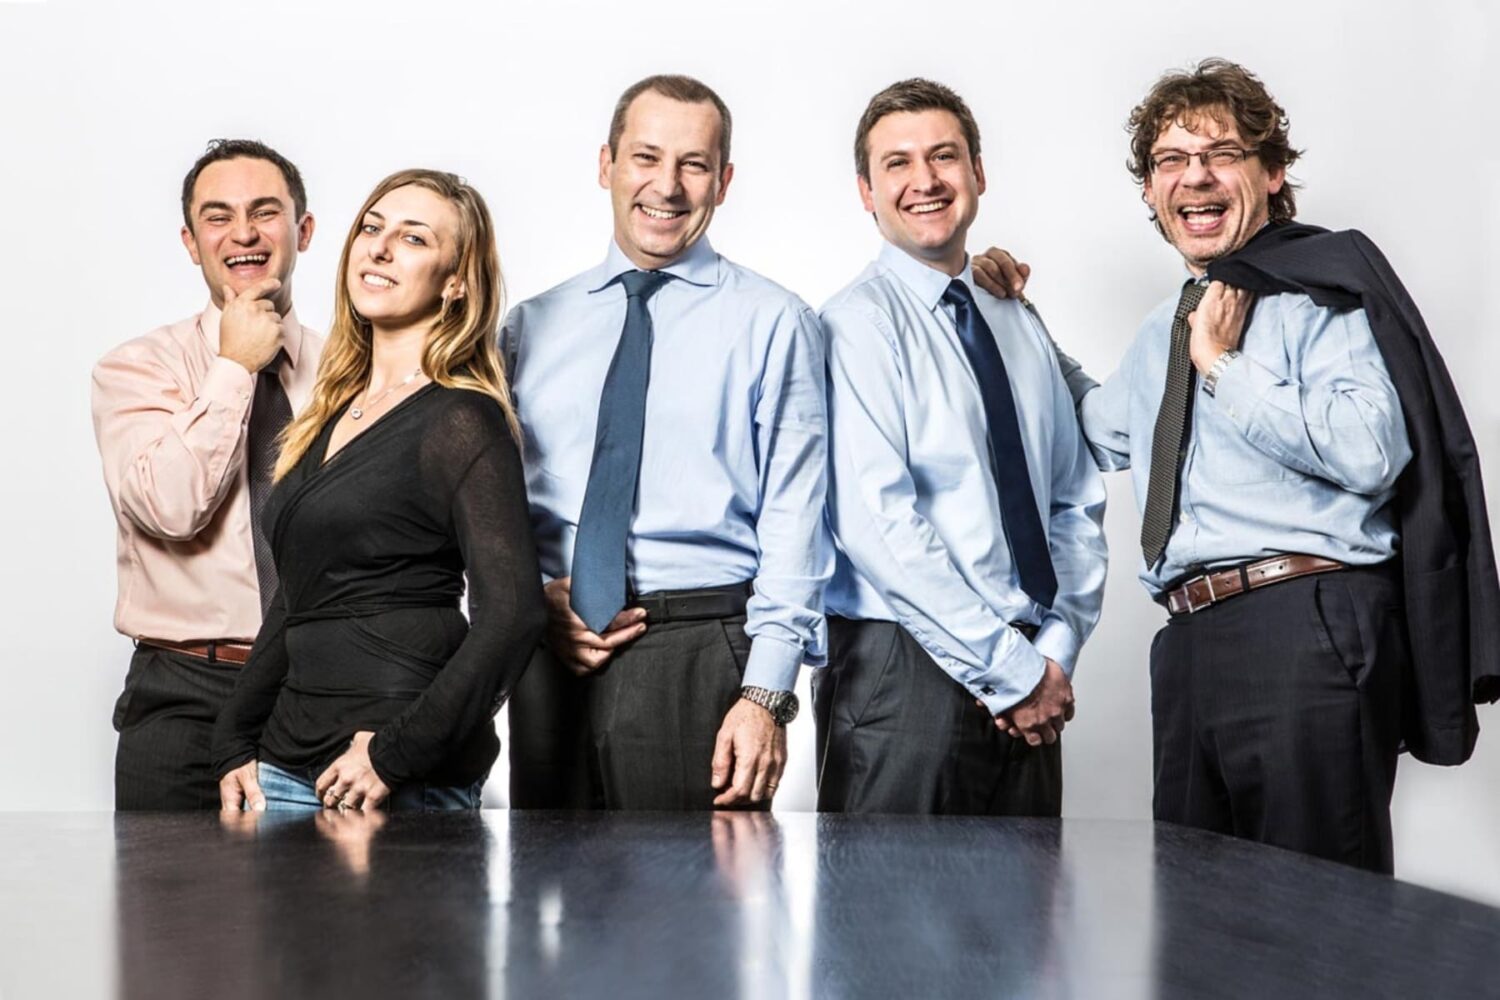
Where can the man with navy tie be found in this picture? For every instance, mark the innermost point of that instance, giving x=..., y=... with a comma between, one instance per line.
x=966, y=507
x=674, y=417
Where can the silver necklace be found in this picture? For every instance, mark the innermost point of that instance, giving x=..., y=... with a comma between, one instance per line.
x=357, y=411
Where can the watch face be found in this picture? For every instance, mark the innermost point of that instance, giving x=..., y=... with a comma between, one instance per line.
x=786, y=709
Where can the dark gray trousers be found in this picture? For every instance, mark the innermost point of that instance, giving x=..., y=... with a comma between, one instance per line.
x=896, y=734
x=1277, y=715
x=639, y=734
x=165, y=718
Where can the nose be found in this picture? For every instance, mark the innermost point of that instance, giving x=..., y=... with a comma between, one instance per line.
x=924, y=178
x=244, y=231
x=379, y=247
x=1197, y=173
x=667, y=182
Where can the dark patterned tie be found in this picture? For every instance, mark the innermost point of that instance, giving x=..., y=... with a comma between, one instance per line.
x=1018, y=513
x=598, y=588
x=1171, y=426
x=270, y=412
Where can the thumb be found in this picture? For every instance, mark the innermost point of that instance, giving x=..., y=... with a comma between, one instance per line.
x=229, y=295
x=253, y=794
x=723, y=757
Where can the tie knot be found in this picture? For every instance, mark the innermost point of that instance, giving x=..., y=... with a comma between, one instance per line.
x=1192, y=294
x=273, y=367
x=643, y=284
x=957, y=294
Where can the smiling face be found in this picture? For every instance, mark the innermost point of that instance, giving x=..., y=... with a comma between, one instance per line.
x=664, y=178
x=924, y=185
x=403, y=257
x=244, y=228
x=1209, y=212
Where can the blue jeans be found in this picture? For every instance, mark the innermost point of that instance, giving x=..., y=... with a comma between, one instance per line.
x=293, y=790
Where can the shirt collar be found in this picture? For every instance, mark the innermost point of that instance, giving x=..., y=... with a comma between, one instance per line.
x=698, y=266
x=928, y=283
x=291, y=331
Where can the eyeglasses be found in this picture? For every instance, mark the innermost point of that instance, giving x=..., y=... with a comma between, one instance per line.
x=1175, y=162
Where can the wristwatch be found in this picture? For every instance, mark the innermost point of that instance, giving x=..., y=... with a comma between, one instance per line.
x=1216, y=371
x=781, y=704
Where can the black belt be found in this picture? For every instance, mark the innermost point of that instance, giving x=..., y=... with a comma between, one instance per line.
x=693, y=605
x=1026, y=629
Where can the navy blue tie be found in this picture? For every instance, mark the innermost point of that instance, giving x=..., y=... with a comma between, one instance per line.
x=598, y=588
x=1023, y=527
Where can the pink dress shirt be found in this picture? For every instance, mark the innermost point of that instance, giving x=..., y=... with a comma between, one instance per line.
x=171, y=417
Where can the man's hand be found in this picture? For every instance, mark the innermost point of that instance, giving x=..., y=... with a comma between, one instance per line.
x=250, y=329
x=579, y=649
x=351, y=782
x=241, y=787
x=998, y=273
x=1040, y=717
x=1218, y=324
x=751, y=749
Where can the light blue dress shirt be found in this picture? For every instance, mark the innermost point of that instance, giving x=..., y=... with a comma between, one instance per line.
x=912, y=498
x=734, y=462
x=1297, y=451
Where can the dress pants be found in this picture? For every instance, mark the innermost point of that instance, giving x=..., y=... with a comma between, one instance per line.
x=165, y=718
x=896, y=734
x=1277, y=715
x=637, y=734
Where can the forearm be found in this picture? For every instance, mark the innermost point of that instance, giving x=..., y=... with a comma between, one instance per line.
x=236, y=736
x=170, y=459
x=1349, y=431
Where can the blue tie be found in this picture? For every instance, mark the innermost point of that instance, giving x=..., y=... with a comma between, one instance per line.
x=598, y=588
x=1028, y=542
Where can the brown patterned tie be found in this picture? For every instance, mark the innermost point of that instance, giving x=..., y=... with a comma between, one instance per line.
x=270, y=411
x=1171, y=425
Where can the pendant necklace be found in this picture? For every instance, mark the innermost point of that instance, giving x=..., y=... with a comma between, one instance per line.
x=357, y=411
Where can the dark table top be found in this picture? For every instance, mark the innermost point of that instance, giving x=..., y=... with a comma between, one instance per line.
x=723, y=905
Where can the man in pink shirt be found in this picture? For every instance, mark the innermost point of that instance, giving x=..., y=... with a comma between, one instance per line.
x=187, y=419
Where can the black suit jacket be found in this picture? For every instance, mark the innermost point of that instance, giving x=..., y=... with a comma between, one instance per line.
x=1448, y=560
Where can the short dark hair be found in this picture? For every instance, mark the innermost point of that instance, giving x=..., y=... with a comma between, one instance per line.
x=678, y=88
x=250, y=149
x=1213, y=88
x=915, y=94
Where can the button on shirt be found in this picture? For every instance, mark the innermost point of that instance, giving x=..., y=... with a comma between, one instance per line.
x=913, y=499
x=734, y=461
x=171, y=418
x=1297, y=450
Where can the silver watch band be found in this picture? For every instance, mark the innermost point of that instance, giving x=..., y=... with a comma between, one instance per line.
x=1217, y=369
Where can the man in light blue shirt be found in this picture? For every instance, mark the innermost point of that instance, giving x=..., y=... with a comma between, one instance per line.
x=1265, y=463
x=966, y=507
x=676, y=470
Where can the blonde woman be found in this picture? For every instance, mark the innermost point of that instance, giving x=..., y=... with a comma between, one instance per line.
x=367, y=686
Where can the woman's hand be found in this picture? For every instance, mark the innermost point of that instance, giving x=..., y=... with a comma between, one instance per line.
x=241, y=787
x=351, y=782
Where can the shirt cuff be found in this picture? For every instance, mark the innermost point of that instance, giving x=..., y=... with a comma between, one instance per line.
x=229, y=384
x=1242, y=386
x=773, y=664
x=1007, y=683
x=1057, y=642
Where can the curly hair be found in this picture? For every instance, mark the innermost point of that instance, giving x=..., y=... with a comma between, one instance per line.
x=1223, y=92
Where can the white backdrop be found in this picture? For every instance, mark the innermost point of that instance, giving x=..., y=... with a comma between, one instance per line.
x=103, y=106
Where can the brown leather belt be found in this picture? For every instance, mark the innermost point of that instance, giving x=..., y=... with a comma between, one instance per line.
x=1209, y=589
x=213, y=650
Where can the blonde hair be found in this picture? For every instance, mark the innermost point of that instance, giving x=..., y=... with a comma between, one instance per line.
x=460, y=352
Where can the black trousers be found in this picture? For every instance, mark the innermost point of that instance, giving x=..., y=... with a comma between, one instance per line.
x=165, y=718
x=1277, y=715
x=638, y=734
x=896, y=734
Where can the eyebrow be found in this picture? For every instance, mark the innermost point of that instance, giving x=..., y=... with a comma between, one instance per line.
x=224, y=206
x=1219, y=144
x=404, y=222
x=646, y=147
x=934, y=148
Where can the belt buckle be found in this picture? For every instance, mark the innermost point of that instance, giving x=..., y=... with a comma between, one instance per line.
x=1187, y=593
